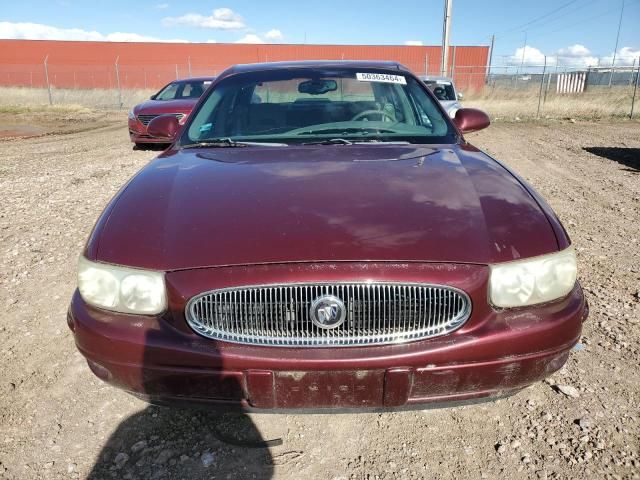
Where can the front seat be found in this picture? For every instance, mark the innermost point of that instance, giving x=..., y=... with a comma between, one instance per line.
x=196, y=91
x=440, y=93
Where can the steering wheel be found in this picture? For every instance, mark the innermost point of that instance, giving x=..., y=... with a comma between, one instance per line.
x=366, y=113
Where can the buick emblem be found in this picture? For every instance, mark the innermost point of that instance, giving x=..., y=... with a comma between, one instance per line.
x=327, y=311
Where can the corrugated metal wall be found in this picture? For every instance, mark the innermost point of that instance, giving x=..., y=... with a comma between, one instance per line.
x=92, y=64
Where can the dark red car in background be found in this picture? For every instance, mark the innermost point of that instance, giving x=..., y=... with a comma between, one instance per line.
x=321, y=235
x=177, y=98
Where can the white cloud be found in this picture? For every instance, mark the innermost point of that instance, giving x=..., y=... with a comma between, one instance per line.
x=220, y=19
x=274, y=34
x=527, y=56
x=414, y=43
x=162, y=6
x=624, y=57
x=576, y=56
x=250, y=38
x=576, y=50
x=38, y=31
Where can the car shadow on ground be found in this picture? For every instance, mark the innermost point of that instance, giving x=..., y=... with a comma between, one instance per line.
x=179, y=442
x=168, y=443
x=629, y=157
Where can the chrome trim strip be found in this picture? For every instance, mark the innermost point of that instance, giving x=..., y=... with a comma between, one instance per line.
x=145, y=118
x=277, y=314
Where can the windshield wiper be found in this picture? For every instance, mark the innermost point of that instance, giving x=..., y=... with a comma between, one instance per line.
x=330, y=141
x=344, y=141
x=228, y=143
x=348, y=130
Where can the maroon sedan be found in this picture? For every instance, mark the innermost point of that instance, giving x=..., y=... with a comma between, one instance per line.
x=321, y=235
x=177, y=98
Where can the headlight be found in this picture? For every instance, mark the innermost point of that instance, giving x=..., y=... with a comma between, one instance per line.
x=132, y=116
x=121, y=289
x=534, y=280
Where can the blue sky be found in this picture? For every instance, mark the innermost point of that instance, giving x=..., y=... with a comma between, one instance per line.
x=578, y=30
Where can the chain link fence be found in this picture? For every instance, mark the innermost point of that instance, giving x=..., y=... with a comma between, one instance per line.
x=504, y=91
x=551, y=90
x=104, y=86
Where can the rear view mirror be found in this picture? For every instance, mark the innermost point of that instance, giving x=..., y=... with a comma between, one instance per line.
x=317, y=86
x=471, y=120
x=164, y=126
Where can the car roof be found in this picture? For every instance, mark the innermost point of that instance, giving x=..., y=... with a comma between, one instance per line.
x=195, y=79
x=259, y=67
x=434, y=78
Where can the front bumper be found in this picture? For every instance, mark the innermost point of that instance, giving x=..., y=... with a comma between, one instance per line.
x=138, y=133
x=495, y=353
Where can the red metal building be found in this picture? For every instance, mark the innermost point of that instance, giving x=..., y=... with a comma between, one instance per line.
x=72, y=64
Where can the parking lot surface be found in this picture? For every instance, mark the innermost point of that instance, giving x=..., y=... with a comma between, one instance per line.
x=58, y=421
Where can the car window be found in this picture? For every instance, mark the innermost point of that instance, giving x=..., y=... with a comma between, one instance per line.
x=193, y=89
x=442, y=90
x=169, y=92
x=300, y=106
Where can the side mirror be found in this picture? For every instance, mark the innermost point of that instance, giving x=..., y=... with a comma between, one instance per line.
x=471, y=120
x=164, y=126
x=460, y=96
x=152, y=97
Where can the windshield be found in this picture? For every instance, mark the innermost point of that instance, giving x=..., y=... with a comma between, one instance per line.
x=311, y=105
x=441, y=90
x=188, y=89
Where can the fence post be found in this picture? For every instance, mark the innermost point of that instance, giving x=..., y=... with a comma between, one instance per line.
x=635, y=88
x=46, y=77
x=118, y=82
x=633, y=67
x=453, y=63
x=611, y=74
x=546, y=91
x=544, y=70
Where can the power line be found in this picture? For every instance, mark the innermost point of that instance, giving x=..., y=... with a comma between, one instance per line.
x=585, y=20
x=520, y=27
x=558, y=18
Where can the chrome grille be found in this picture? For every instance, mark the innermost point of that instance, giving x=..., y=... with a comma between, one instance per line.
x=376, y=313
x=145, y=119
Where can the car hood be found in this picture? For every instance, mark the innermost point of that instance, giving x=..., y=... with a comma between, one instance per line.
x=254, y=205
x=151, y=107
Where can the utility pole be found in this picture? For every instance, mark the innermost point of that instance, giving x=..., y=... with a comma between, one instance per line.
x=524, y=51
x=446, y=31
x=118, y=82
x=493, y=40
x=615, y=50
x=46, y=77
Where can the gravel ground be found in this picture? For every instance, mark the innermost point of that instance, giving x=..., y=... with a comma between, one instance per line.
x=58, y=421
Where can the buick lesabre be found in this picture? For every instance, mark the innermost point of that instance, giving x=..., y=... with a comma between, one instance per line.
x=321, y=235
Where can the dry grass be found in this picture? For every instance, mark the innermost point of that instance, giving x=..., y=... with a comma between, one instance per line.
x=500, y=103
x=24, y=100
x=595, y=103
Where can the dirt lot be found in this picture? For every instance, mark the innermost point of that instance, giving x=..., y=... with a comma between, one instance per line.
x=58, y=421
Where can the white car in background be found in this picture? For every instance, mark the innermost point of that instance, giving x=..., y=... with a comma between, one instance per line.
x=445, y=91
